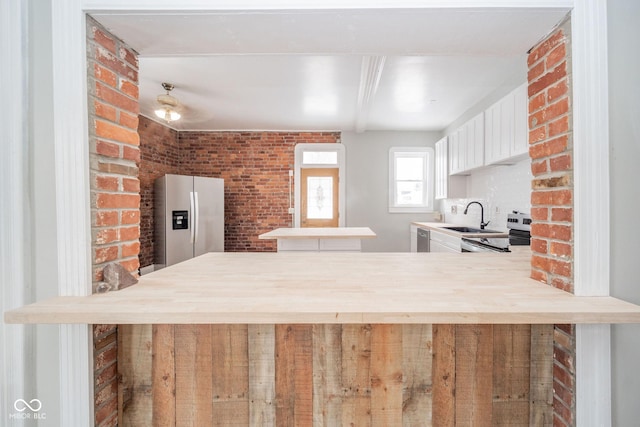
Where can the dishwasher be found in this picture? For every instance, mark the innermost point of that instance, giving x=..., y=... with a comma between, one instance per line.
x=423, y=240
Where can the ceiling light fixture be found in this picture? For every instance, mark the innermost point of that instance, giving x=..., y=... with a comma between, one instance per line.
x=168, y=103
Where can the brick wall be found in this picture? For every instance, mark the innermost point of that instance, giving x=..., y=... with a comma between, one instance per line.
x=254, y=165
x=159, y=155
x=114, y=156
x=551, y=142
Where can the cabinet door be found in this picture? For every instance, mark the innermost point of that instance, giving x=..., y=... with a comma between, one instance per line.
x=447, y=186
x=491, y=133
x=507, y=114
x=454, y=153
x=444, y=242
x=441, y=172
x=520, y=141
x=475, y=142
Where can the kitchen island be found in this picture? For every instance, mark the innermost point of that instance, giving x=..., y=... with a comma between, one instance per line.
x=343, y=239
x=335, y=339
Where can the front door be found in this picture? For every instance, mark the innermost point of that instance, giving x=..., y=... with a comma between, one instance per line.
x=319, y=197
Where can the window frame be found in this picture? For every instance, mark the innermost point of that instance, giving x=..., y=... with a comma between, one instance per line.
x=428, y=155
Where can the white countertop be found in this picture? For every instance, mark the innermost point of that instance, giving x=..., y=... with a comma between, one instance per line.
x=324, y=287
x=319, y=233
x=439, y=226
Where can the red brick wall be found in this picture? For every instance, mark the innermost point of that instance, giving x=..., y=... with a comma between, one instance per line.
x=551, y=142
x=159, y=155
x=114, y=156
x=255, y=167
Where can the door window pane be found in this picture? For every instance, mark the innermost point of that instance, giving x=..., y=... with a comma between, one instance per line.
x=319, y=197
x=320, y=157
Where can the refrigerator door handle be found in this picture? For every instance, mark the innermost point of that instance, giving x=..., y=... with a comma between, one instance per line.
x=197, y=217
x=193, y=216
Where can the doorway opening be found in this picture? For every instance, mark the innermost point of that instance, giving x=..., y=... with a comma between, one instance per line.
x=319, y=185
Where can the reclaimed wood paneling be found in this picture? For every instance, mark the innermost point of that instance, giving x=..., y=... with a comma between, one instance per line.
x=474, y=375
x=262, y=375
x=386, y=375
x=327, y=375
x=356, y=375
x=541, y=383
x=294, y=375
x=134, y=367
x=164, y=376
x=338, y=375
x=230, y=388
x=444, y=375
x=417, y=385
x=511, y=374
x=194, y=376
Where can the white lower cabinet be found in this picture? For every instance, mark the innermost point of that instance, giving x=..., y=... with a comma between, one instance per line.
x=442, y=242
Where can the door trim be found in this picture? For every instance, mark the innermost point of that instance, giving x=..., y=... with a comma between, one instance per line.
x=337, y=147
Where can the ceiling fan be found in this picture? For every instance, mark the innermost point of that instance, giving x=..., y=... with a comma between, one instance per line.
x=169, y=104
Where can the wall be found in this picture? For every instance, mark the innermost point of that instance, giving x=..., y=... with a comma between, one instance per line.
x=624, y=104
x=550, y=149
x=500, y=189
x=112, y=83
x=44, y=266
x=367, y=167
x=159, y=155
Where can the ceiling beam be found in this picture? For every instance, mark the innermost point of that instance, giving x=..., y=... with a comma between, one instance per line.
x=370, y=73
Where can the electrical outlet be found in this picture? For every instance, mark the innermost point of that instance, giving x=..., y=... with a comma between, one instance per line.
x=454, y=209
x=497, y=210
x=292, y=211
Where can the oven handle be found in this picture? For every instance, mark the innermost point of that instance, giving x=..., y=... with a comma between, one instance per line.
x=467, y=246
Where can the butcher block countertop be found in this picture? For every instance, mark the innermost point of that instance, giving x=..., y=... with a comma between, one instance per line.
x=259, y=288
x=319, y=233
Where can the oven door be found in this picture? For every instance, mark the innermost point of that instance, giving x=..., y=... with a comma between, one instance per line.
x=469, y=245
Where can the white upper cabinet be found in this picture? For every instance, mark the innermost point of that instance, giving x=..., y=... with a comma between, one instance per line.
x=520, y=144
x=506, y=129
x=447, y=186
x=475, y=142
x=466, y=146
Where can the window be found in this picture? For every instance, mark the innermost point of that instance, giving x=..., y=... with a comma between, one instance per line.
x=319, y=157
x=410, y=179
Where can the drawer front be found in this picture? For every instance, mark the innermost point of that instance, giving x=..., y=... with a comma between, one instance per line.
x=443, y=239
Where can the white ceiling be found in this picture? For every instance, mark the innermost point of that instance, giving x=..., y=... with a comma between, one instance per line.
x=409, y=69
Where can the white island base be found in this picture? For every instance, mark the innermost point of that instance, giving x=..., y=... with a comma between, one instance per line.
x=318, y=239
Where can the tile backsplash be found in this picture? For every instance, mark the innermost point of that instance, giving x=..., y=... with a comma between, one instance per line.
x=500, y=189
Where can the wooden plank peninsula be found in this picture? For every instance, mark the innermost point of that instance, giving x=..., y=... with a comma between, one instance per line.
x=325, y=338
x=326, y=287
x=312, y=239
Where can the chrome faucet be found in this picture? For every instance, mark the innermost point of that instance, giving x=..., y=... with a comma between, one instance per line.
x=482, y=223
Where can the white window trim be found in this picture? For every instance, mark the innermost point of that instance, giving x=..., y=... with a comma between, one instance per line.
x=587, y=201
x=429, y=175
x=315, y=146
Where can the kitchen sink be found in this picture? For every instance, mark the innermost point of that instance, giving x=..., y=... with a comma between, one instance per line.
x=472, y=230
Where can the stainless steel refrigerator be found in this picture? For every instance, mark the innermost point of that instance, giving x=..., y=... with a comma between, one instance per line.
x=189, y=218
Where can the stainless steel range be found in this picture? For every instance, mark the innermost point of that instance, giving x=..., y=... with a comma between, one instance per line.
x=519, y=225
